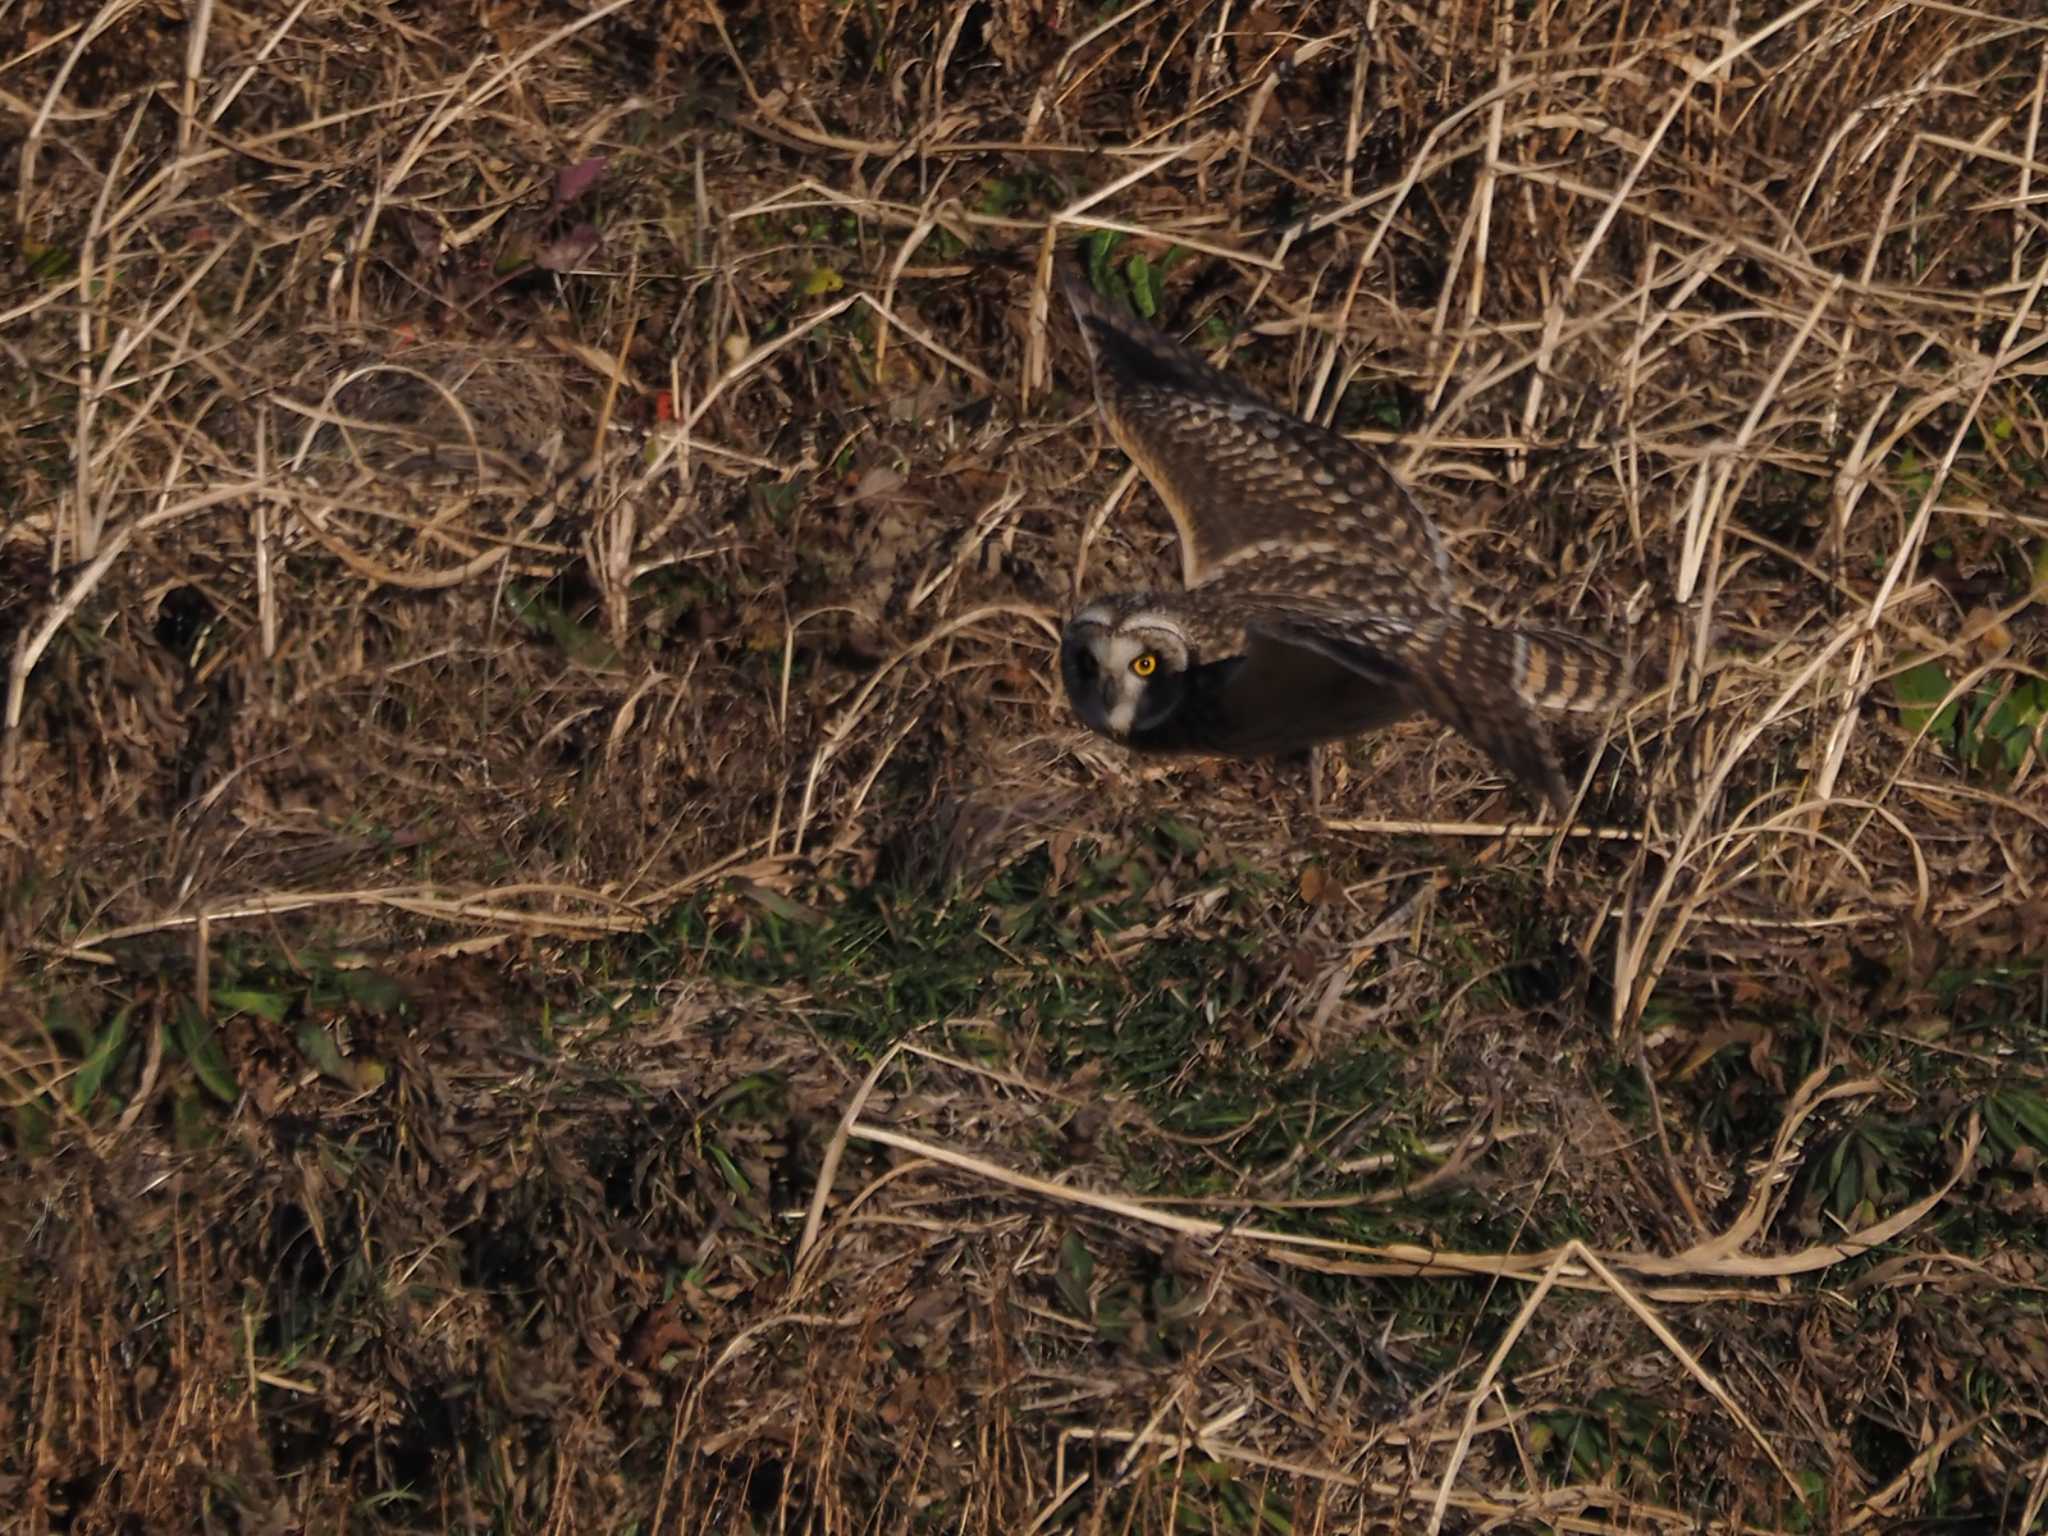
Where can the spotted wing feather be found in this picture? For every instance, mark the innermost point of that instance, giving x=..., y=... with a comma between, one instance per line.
x=1242, y=479
x=1501, y=689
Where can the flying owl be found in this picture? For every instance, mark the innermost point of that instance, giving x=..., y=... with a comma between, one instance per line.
x=1318, y=599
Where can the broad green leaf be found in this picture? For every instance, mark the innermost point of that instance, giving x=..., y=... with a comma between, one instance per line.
x=358, y=1073
x=319, y=1049
x=372, y=989
x=265, y=1005
x=1997, y=738
x=1920, y=691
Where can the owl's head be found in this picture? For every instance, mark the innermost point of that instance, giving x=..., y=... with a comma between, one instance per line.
x=1126, y=665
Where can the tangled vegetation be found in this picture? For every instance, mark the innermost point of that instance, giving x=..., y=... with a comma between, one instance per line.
x=566, y=967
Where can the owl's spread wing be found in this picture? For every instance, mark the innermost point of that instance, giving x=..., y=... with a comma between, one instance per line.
x=1241, y=478
x=1283, y=697
x=1502, y=689
x=1379, y=646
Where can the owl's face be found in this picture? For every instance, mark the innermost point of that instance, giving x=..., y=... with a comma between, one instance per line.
x=1126, y=667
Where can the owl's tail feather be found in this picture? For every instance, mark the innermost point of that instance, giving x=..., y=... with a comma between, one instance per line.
x=1505, y=690
x=1562, y=674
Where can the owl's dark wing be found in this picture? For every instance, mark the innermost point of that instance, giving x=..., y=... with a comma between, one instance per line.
x=1501, y=689
x=1282, y=697
x=1241, y=478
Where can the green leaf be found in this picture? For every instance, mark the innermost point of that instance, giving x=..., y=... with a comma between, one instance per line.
x=1998, y=1125
x=319, y=1049
x=1076, y=1272
x=49, y=263
x=1847, y=1188
x=779, y=498
x=1920, y=691
x=2018, y=1115
x=265, y=1005
x=103, y=1058
x=1097, y=248
x=192, y=1126
x=2013, y=724
x=1148, y=290
x=822, y=280
x=32, y=1125
x=358, y=1074
x=371, y=989
x=781, y=906
x=201, y=1047
x=582, y=645
x=754, y=1089
x=1813, y=1498
x=999, y=196
x=729, y=1170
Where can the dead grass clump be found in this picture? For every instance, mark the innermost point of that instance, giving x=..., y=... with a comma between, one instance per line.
x=567, y=966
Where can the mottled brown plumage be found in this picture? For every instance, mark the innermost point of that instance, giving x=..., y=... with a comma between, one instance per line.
x=1319, y=601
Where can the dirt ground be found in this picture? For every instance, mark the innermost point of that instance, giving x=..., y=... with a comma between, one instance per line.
x=567, y=966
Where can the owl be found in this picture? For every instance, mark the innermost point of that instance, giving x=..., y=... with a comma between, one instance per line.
x=1318, y=601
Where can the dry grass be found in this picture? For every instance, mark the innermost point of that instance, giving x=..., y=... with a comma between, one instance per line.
x=567, y=968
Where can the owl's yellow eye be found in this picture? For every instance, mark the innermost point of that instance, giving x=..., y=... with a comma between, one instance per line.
x=1145, y=665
